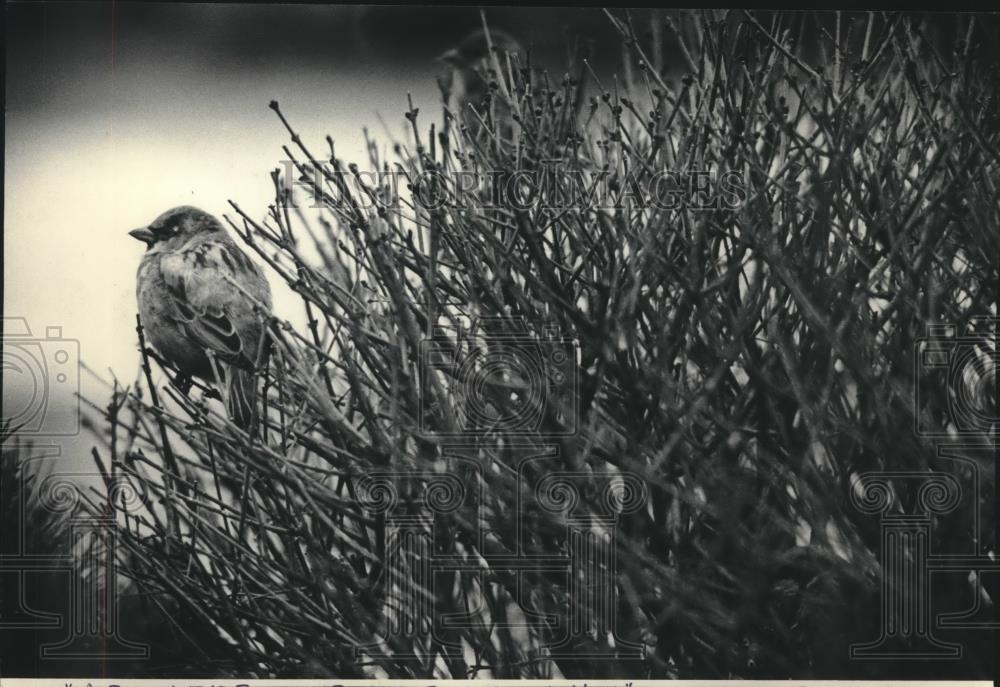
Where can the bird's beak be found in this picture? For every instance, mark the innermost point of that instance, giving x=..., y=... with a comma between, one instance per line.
x=448, y=57
x=143, y=234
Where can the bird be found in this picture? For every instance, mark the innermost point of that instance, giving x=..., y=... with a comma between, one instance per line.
x=469, y=63
x=199, y=298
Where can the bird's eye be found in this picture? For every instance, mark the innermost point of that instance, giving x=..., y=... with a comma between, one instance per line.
x=166, y=230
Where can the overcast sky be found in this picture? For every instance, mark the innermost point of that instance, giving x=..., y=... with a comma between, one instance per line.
x=117, y=112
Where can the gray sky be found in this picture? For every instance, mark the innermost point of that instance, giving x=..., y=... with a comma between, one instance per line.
x=116, y=112
x=102, y=135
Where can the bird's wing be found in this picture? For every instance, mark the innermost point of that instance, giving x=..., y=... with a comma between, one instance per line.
x=202, y=280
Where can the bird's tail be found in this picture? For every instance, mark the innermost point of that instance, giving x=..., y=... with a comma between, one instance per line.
x=242, y=390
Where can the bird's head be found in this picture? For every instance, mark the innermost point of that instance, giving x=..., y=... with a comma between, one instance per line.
x=474, y=49
x=176, y=226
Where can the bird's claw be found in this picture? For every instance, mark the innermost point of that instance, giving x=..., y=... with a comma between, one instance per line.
x=183, y=383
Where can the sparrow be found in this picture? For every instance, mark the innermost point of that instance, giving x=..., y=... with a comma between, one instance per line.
x=198, y=296
x=469, y=63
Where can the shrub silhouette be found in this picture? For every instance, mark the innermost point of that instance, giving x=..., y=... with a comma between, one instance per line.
x=743, y=334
